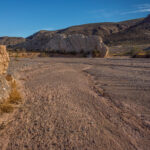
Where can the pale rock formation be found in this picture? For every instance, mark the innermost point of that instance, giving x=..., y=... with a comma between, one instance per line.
x=4, y=59
x=4, y=85
x=77, y=43
x=4, y=89
x=66, y=43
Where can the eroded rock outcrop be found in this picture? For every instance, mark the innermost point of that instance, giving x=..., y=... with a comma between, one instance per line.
x=66, y=43
x=4, y=85
x=4, y=59
x=77, y=43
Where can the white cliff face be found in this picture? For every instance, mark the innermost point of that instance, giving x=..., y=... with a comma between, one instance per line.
x=66, y=43
x=76, y=43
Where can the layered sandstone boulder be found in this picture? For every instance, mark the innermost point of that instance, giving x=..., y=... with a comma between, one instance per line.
x=77, y=43
x=65, y=43
x=4, y=85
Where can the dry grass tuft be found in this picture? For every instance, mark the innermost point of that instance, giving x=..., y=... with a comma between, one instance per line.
x=15, y=96
x=2, y=126
x=143, y=54
x=13, y=99
x=6, y=108
x=9, y=78
x=96, y=53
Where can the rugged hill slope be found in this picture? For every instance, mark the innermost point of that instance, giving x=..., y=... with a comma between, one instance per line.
x=100, y=29
x=135, y=31
x=11, y=40
x=136, y=34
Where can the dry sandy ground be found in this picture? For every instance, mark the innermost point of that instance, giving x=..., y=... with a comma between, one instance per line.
x=80, y=104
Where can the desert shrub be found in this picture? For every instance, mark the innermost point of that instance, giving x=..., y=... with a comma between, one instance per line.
x=45, y=54
x=17, y=54
x=9, y=78
x=96, y=53
x=6, y=108
x=118, y=54
x=2, y=126
x=148, y=54
x=139, y=55
x=134, y=51
x=23, y=50
x=143, y=54
x=14, y=97
x=73, y=53
x=84, y=53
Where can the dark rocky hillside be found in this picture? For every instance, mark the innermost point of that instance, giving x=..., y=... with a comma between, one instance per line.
x=100, y=29
x=11, y=40
x=136, y=34
x=135, y=31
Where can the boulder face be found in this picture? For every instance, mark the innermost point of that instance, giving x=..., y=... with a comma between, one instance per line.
x=4, y=59
x=66, y=43
x=77, y=43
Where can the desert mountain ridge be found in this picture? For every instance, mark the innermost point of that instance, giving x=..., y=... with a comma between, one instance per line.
x=134, y=31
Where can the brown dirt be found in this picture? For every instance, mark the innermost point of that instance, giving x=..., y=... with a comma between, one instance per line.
x=83, y=104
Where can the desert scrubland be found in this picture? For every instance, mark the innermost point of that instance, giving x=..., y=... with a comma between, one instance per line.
x=80, y=103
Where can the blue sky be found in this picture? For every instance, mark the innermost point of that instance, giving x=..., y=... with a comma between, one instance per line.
x=24, y=17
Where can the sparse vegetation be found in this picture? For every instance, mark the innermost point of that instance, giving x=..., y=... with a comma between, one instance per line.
x=96, y=53
x=2, y=126
x=131, y=51
x=139, y=53
x=14, y=98
x=44, y=54
x=134, y=51
x=142, y=54
x=6, y=108
x=9, y=78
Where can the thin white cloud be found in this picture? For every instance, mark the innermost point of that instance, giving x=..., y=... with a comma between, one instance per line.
x=117, y=15
x=143, y=6
x=101, y=13
x=138, y=9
